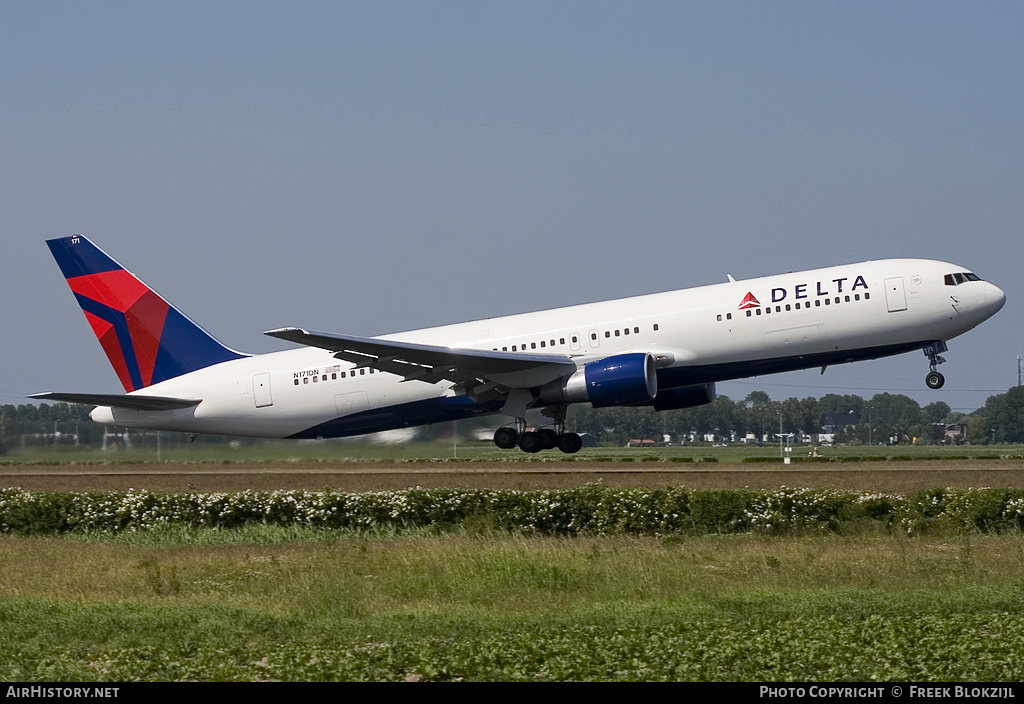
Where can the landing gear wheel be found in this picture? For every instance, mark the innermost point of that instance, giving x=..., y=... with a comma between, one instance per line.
x=505, y=438
x=570, y=443
x=548, y=438
x=933, y=351
x=530, y=442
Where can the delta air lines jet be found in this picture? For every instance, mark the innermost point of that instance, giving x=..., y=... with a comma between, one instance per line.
x=664, y=350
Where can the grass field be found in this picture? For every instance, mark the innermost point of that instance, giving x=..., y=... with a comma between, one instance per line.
x=266, y=603
x=306, y=605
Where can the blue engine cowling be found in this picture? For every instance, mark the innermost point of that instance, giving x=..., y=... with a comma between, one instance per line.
x=620, y=380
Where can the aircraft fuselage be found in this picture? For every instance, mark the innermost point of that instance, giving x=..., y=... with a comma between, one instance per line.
x=697, y=336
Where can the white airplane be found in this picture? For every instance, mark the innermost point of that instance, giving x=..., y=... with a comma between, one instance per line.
x=664, y=350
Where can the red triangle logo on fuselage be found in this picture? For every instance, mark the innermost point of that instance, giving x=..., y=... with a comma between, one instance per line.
x=749, y=302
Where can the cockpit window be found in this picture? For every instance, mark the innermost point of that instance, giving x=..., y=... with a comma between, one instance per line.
x=960, y=277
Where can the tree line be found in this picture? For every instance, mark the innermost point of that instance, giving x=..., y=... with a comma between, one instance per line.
x=882, y=419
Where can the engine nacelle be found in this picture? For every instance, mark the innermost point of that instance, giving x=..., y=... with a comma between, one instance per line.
x=620, y=380
x=684, y=397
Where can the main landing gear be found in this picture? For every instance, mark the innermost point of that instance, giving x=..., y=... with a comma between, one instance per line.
x=935, y=380
x=507, y=437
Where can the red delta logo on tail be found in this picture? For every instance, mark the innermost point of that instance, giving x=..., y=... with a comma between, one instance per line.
x=130, y=302
x=749, y=302
x=146, y=339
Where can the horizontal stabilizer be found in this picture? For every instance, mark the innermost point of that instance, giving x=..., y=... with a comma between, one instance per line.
x=134, y=402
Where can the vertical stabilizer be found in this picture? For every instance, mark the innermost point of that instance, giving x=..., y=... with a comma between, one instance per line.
x=146, y=339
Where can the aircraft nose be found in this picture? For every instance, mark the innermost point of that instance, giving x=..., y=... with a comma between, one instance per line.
x=994, y=297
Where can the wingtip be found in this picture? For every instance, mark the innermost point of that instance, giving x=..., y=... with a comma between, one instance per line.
x=279, y=332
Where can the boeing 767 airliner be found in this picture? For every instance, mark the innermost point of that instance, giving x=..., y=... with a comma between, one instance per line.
x=664, y=350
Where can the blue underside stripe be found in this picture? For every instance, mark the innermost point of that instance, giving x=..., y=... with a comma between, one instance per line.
x=434, y=410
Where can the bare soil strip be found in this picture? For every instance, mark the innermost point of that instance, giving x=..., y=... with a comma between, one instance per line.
x=892, y=476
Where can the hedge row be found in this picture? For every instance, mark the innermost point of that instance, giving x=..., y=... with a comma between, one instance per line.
x=591, y=510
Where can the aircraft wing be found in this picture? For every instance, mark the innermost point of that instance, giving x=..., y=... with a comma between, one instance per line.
x=433, y=363
x=134, y=401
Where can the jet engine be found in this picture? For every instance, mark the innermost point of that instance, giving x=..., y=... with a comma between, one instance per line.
x=620, y=380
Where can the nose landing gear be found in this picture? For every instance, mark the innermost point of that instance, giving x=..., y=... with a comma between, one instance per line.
x=935, y=380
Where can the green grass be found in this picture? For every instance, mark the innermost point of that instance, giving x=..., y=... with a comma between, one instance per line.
x=304, y=604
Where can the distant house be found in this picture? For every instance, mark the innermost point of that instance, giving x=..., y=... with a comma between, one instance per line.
x=641, y=443
x=955, y=433
x=837, y=421
x=834, y=422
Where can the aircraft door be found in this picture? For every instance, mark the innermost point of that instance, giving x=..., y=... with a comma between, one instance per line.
x=261, y=390
x=354, y=402
x=895, y=295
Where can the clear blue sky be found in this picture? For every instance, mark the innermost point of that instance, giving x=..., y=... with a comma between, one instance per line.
x=370, y=167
